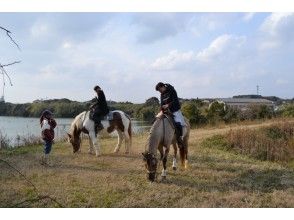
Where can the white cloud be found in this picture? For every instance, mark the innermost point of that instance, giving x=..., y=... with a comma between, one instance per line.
x=173, y=59
x=153, y=27
x=39, y=30
x=282, y=82
x=220, y=46
x=66, y=45
x=275, y=21
x=248, y=16
x=277, y=30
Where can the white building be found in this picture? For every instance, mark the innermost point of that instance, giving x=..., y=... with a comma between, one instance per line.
x=244, y=103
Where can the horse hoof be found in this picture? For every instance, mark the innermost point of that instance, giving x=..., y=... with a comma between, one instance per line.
x=174, y=168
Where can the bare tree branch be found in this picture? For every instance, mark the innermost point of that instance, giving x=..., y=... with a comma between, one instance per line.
x=39, y=195
x=5, y=73
x=8, y=33
x=9, y=64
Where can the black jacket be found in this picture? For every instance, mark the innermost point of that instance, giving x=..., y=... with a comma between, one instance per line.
x=170, y=97
x=100, y=104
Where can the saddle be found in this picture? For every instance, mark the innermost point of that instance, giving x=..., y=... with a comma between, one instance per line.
x=168, y=115
x=176, y=126
x=109, y=117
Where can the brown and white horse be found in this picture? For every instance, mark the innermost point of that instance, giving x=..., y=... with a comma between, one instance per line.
x=119, y=121
x=162, y=135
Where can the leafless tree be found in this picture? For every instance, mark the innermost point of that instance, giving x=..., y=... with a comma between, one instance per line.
x=2, y=66
x=8, y=33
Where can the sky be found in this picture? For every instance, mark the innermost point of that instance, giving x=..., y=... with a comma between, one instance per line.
x=204, y=55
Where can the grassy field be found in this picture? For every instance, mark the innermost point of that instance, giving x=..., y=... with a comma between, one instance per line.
x=215, y=178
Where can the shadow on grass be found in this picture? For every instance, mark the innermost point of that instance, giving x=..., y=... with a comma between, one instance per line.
x=264, y=181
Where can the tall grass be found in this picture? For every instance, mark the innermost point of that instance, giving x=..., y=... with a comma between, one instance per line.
x=4, y=141
x=19, y=141
x=273, y=143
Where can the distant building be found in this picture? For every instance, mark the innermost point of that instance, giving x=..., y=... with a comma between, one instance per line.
x=244, y=103
x=2, y=99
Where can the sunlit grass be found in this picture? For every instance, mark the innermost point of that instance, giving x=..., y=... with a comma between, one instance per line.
x=216, y=177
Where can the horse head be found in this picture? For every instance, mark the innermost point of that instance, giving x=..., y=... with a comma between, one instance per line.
x=75, y=139
x=151, y=165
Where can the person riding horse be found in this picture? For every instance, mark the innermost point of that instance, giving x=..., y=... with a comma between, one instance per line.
x=169, y=101
x=99, y=108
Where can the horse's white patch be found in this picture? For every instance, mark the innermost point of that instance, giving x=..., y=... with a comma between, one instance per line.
x=105, y=124
x=174, y=162
x=83, y=121
x=163, y=173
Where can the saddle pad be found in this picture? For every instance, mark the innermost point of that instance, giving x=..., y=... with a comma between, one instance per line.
x=109, y=116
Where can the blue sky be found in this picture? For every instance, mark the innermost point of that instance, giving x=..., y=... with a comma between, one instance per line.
x=202, y=54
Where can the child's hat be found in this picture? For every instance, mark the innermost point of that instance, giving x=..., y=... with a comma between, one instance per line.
x=47, y=112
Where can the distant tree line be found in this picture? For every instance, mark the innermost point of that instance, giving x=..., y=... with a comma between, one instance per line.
x=198, y=112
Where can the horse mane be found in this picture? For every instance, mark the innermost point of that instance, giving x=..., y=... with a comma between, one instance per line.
x=77, y=122
x=152, y=140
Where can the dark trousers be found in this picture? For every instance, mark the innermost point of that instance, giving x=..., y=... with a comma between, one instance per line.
x=47, y=146
x=97, y=115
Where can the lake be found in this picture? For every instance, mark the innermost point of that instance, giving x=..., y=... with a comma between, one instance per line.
x=13, y=127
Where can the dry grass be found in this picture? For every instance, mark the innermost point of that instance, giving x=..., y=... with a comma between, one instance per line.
x=273, y=142
x=215, y=178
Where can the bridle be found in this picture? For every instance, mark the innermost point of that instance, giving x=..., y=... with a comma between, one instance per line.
x=150, y=157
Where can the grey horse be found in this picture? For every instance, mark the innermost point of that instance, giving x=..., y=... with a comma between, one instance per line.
x=161, y=137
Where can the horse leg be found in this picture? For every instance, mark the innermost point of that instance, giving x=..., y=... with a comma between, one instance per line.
x=119, y=141
x=91, y=149
x=175, y=156
x=164, y=160
x=186, y=152
x=95, y=143
x=127, y=142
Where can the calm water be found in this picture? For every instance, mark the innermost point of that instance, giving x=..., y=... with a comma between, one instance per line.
x=19, y=126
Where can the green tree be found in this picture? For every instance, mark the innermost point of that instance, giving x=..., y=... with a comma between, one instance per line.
x=288, y=110
x=192, y=111
x=216, y=112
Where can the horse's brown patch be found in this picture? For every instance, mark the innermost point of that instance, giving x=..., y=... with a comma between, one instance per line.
x=116, y=123
x=84, y=130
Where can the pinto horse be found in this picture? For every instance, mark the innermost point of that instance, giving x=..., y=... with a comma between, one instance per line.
x=116, y=120
x=162, y=135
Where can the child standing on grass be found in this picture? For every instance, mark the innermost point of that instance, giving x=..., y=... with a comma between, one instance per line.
x=47, y=126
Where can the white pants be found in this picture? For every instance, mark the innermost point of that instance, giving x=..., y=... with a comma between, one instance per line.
x=178, y=117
